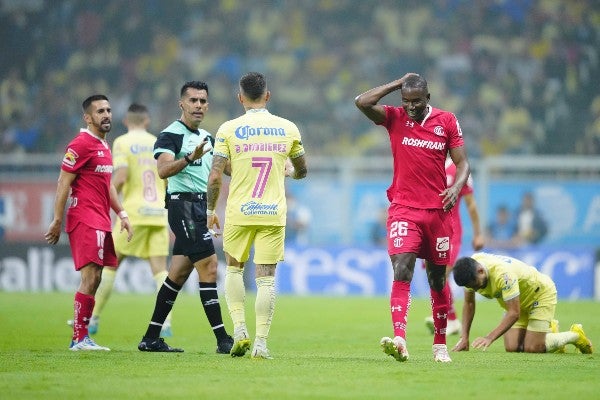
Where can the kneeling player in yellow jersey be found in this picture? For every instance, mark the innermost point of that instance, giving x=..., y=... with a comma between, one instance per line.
x=529, y=298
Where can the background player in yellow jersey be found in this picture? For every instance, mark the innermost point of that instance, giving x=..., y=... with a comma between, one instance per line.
x=527, y=295
x=258, y=145
x=136, y=178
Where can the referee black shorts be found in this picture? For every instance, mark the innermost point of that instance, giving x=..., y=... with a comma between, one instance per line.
x=187, y=219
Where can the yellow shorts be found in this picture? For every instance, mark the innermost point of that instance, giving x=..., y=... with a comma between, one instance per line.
x=268, y=242
x=147, y=241
x=537, y=318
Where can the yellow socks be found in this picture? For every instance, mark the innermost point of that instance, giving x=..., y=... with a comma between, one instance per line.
x=235, y=295
x=104, y=290
x=159, y=279
x=557, y=341
x=265, y=305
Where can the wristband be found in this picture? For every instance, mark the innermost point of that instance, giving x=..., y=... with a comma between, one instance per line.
x=188, y=160
x=123, y=214
x=210, y=212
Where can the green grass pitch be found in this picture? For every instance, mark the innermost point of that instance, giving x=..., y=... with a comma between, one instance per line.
x=324, y=348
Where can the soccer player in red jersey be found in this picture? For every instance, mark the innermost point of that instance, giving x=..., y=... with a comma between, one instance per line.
x=466, y=194
x=420, y=216
x=85, y=183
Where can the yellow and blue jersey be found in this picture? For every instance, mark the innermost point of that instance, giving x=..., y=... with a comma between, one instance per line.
x=509, y=278
x=257, y=144
x=144, y=191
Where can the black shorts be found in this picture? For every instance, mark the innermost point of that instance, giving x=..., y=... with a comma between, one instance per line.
x=187, y=220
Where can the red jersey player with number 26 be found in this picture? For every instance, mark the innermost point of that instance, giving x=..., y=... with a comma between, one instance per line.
x=420, y=216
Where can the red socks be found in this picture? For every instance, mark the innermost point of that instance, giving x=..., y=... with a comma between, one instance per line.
x=439, y=310
x=84, y=305
x=399, y=306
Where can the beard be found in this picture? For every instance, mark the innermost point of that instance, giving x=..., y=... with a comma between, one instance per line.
x=104, y=126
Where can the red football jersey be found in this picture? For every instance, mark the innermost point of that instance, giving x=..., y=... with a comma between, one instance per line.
x=419, y=151
x=90, y=158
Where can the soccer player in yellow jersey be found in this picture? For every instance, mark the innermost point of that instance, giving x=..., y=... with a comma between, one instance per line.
x=143, y=193
x=527, y=295
x=258, y=145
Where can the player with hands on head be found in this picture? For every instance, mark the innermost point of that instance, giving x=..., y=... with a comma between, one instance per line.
x=85, y=188
x=420, y=216
x=183, y=155
x=529, y=298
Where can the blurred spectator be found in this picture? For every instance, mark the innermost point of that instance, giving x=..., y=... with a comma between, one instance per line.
x=13, y=95
x=531, y=226
x=521, y=72
x=590, y=142
x=298, y=222
x=501, y=231
x=21, y=135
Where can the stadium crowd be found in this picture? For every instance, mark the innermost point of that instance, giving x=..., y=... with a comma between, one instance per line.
x=521, y=75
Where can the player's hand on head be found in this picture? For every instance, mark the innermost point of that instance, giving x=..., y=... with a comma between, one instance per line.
x=407, y=75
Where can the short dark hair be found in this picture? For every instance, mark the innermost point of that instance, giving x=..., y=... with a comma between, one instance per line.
x=194, y=85
x=415, y=82
x=88, y=102
x=137, y=108
x=137, y=114
x=464, y=271
x=253, y=85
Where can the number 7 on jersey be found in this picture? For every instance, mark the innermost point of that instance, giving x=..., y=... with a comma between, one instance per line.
x=265, y=164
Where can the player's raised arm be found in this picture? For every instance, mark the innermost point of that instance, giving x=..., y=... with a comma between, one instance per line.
x=367, y=101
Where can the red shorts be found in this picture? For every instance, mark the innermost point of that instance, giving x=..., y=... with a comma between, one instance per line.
x=454, y=250
x=425, y=232
x=89, y=245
